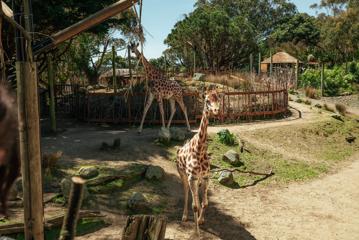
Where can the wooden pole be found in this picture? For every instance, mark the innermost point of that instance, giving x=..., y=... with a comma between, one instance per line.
x=194, y=61
x=251, y=63
x=29, y=134
x=296, y=73
x=114, y=77
x=259, y=63
x=129, y=61
x=85, y=24
x=271, y=64
x=51, y=80
x=68, y=230
x=321, y=79
x=145, y=227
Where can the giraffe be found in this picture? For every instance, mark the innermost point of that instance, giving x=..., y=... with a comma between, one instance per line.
x=160, y=88
x=193, y=163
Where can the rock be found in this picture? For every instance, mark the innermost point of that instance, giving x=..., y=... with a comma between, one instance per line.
x=226, y=178
x=350, y=139
x=137, y=202
x=198, y=76
x=88, y=172
x=164, y=135
x=318, y=105
x=154, y=173
x=232, y=157
x=338, y=117
x=116, y=144
x=178, y=134
x=13, y=194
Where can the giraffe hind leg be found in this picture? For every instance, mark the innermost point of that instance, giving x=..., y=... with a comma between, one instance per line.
x=173, y=111
x=184, y=110
x=185, y=184
x=205, y=183
x=193, y=184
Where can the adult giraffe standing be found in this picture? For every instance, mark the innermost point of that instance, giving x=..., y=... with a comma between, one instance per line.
x=160, y=88
x=193, y=163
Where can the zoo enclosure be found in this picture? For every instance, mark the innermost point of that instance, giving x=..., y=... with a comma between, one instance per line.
x=98, y=107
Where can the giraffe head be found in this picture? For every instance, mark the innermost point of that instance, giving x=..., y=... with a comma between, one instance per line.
x=212, y=102
x=133, y=47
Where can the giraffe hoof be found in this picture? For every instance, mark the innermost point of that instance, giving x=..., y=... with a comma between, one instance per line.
x=184, y=218
x=201, y=221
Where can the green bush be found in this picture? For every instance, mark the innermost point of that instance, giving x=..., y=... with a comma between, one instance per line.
x=336, y=80
x=226, y=137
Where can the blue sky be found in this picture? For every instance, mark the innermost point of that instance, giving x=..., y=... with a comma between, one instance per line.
x=159, y=17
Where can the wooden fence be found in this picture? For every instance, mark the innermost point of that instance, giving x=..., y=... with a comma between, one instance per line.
x=117, y=108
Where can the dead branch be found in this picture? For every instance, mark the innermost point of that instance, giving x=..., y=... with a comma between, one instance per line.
x=242, y=171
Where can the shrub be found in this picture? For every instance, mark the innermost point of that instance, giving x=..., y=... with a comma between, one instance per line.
x=341, y=108
x=307, y=102
x=226, y=137
x=299, y=100
x=328, y=108
x=311, y=92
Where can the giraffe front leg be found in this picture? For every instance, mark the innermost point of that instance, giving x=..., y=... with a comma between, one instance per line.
x=145, y=110
x=185, y=191
x=160, y=104
x=193, y=185
x=205, y=184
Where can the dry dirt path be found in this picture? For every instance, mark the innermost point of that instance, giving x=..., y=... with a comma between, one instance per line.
x=326, y=208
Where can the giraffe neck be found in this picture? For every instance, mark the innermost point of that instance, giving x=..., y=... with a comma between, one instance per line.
x=202, y=134
x=150, y=70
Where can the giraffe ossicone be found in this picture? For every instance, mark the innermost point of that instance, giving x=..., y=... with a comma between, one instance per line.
x=160, y=87
x=193, y=162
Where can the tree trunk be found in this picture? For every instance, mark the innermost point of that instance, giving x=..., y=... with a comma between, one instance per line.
x=143, y=227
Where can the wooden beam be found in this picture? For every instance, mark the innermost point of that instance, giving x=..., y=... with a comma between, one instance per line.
x=85, y=24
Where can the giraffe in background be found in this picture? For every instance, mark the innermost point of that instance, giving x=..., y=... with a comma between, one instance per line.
x=193, y=163
x=160, y=88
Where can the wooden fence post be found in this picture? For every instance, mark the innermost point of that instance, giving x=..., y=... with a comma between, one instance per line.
x=142, y=227
x=259, y=63
x=114, y=77
x=51, y=76
x=271, y=64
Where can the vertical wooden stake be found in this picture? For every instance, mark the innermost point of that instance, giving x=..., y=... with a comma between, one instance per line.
x=271, y=64
x=321, y=79
x=251, y=63
x=259, y=63
x=296, y=73
x=29, y=134
x=51, y=80
x=129, y=61
x=68, y=230
x=114, y=77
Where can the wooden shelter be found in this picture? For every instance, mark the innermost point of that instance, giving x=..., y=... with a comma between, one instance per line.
x=123, y=77
x=279, y=60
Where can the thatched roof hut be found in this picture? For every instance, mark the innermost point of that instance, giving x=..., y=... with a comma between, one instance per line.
x=280, y=59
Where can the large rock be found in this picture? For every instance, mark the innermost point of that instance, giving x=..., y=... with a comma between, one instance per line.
x=88, y=172
x=198, y=76
x=164, y=135
x=178, y=134
x=226, y=178
x=137, y=202
x=154, y=173
x=232, y=157
x=13, y=193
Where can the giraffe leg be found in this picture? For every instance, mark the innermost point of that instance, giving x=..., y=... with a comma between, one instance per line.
x=147, y=106
x=205, y=183
x=173, y=111
x=185, y=190
x=184, y=110
x=193, y=185
x=160, y=104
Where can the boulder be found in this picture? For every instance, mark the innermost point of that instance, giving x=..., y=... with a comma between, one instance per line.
x=13, y=194
x=137, y=202
x=226, y=178
x=198, y=76
x=178, y=134
x=164, y=135
x=154, y=173
x=88, y=172
x=232, y=157
x=338, y=117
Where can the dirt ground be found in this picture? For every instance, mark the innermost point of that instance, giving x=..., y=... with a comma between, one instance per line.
x=326, y=208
